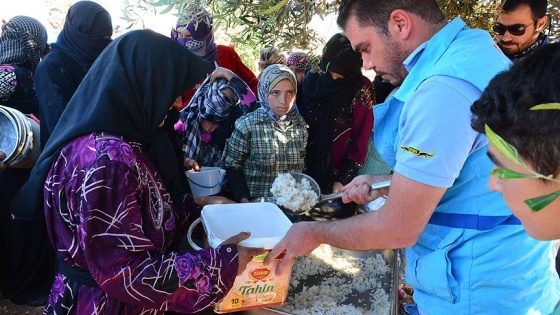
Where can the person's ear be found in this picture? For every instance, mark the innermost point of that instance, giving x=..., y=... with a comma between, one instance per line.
x=541, y=23
x=399, y=24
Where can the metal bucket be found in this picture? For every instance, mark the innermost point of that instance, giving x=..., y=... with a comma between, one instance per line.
x=19, y=138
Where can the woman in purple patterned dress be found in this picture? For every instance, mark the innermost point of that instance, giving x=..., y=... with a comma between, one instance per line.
x=112, y=199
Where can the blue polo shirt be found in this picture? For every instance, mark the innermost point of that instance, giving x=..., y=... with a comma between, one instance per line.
x=473, y=256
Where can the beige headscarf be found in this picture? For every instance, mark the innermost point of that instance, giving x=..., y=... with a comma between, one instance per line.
x=270, y=56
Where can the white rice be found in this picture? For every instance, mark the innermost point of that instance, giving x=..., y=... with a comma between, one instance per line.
x=293, y=195
x=328, y=295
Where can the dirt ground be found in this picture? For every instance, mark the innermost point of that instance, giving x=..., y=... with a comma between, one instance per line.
x=8, y=308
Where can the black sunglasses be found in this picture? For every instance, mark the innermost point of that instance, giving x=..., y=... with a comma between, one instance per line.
x=515, y=29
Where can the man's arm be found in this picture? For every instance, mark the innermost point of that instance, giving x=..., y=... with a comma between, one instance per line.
x=397, y=224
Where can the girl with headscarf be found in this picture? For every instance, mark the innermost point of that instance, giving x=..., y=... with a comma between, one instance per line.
x=107, y=181
x=198, y=37
x=299, y=63
x=337, y=104
x=211, y=114
x=28, y=260
x=269, y=56
x=86, y=32
x=268, y=141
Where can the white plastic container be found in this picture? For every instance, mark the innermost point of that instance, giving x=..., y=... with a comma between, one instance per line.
x=266, y=222
x=206, y=182
x=257, y=286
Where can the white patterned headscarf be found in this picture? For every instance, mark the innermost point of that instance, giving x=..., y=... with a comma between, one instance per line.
x=270, y=76
x=23, y=40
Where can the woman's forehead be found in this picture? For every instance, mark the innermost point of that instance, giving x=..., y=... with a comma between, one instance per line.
x=183, y=29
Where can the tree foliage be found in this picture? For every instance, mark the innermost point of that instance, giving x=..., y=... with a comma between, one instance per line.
x=252, y=24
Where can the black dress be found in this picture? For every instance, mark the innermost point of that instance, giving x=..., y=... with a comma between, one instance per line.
x=57, y=78
x=25, y=251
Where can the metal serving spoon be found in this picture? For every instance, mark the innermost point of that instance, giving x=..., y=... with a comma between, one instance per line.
x=322, y=198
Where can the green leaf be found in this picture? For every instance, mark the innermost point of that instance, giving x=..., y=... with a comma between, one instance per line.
x=167, y=10
x=538, y=203
x=505, y=148
x=503, y=173
x=546, y=106
x=160, y=3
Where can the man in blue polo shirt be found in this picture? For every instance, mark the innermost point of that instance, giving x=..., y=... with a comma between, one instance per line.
x=466, y=252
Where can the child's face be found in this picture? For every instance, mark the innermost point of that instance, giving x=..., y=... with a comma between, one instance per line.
x=229, y=94
x=543, y=224
x=281, y=97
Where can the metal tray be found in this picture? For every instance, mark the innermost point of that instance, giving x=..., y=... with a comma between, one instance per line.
x=388, y=282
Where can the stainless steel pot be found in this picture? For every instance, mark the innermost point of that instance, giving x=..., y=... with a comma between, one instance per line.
x=389, y=283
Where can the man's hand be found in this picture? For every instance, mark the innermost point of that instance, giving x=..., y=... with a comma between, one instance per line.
x=245, y=253
x=358, y=190
x=298, y=241
x=336, y=187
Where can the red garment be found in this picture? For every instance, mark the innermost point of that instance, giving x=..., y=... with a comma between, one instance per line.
x=229, y=59
x=351, y=137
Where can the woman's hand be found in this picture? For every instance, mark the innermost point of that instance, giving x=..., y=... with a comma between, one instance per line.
x=221, y=72
x=245, y=253
x=3, y=166
x=191, y=164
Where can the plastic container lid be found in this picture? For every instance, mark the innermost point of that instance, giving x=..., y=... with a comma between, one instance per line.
x=266, y=222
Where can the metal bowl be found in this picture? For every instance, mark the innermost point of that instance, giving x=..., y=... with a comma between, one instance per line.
x=299, y=176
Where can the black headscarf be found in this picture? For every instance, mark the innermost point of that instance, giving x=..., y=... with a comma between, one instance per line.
x=86, y=32
x=128, y=91
x=323, y=94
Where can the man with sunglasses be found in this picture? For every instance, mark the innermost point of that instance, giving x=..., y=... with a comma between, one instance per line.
x=519, y=31
x=520, y=27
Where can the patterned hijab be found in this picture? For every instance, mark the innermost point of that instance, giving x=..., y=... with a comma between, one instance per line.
x=270, y=76
x=23, y=41
x=201, y=42
x=299, y=60
x=128, y=91
x=209, y=102
x=86, y=32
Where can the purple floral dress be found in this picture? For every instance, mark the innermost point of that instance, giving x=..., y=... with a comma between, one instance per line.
x=108, y=212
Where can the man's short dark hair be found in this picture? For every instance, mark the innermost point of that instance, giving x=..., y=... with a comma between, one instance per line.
x=377, y=13
x=538, y=7
x=505, y=103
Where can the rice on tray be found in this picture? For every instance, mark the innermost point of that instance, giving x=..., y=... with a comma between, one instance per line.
x=331, y=289
x=293, y=195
